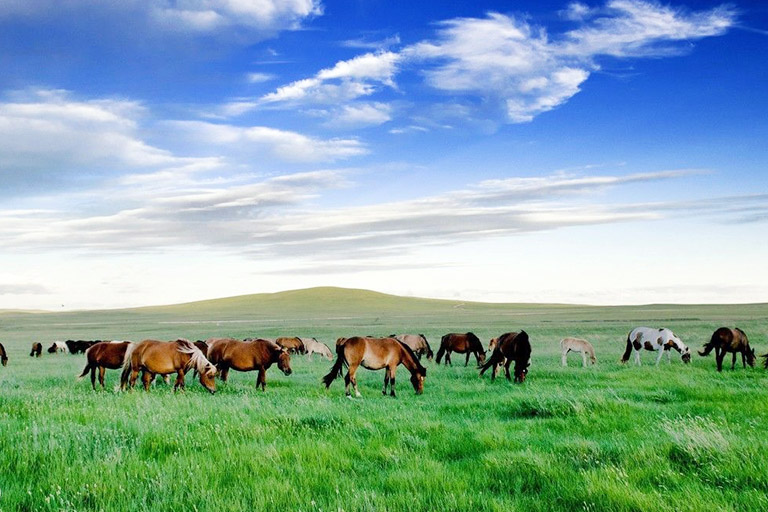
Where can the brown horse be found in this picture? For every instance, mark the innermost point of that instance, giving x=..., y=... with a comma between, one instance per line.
x=466, y=343
x=511, y=346
x=37, y=349
x=417, y=342
x=245, y=356
x=3, y=355
x=152, y=357
x=725, y=340
x=375, y=354
x=103, y=355
x=291, y=344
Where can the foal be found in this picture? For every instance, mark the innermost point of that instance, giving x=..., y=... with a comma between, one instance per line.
x=577, y=345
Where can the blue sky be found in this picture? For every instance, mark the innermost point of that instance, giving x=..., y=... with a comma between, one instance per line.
x=160, y=151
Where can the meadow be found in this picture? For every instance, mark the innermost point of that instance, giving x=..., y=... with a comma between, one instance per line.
x=607, y=437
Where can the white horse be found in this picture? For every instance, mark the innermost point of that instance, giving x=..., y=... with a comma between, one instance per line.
x=313, y=346
x=577, y=345
x=658, y=340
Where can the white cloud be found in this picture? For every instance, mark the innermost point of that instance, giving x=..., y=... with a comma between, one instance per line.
x=361, y=114
x=257, y=78
x=280, y=144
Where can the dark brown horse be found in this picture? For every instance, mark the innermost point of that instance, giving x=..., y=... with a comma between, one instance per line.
x=417, y=342
x=3, y=355
x=375, y=354
x=726, y=340
x=77, y=346
x=291, y=344
x=37, y=349
x=152, y=357
x=511, y=346
x=466, y=343
x=245, y=356
x=103, y=355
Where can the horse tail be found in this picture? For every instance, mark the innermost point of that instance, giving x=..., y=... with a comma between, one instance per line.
x=126, y=373
x=712, y=343
x=338, y=367
x=441, y=350
x=88, y=364
x=430, y=354
x=627, y=351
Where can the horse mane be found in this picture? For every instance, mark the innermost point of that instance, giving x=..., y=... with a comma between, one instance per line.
x=197, y=359
x=475, y=341
x=410, y=352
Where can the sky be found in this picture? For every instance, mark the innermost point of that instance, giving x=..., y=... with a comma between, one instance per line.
x=593, y=152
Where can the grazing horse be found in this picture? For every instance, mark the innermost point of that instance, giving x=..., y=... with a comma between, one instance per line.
x=466, y=343
x=103, y=355
x=37, y=349
x=291, y=344
x=245, y=356
x=417, y=342
x=3, y=355
x=57, y=346
x=153, y=357
x=375, y=354
x=577, y=345
x=655, y=339
x=77, y=346
x=725, y=340
x=315, y=347
x=511, y=346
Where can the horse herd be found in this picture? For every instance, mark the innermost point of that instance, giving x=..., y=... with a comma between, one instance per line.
x=217, y=356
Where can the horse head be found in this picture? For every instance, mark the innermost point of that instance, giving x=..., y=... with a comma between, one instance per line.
x=521, y=370
x=686, y=355
x=284, y=362
x=417, y=379
x=208, y=377
x=750, y=356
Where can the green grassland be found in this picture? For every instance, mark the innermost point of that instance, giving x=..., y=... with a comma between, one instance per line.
x=608, y=437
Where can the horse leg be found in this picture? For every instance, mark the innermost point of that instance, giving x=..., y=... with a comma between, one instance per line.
x=584, y=358
x=179, y=380
x=720, y=355
x=146, y=379
x=661, y=354
x=262, y=379
x=102, y=371
x=386, y=381
x=637, y=357
x=134, y=376
x=733, y=362
x=448, y=358
x=506, y=368
x=353, y=379
x=93, y=378
x=744, y=359
x=224, y=373
x=392, y=381
x=564, y=358
x=467, y=361
x=494, y=371
x=346, y=384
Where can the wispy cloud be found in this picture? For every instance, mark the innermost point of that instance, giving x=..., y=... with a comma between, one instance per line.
x=509, y=62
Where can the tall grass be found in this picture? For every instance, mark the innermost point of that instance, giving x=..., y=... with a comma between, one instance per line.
x=608, y=437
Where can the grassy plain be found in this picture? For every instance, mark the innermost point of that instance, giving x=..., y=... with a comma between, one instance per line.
x=608, y=437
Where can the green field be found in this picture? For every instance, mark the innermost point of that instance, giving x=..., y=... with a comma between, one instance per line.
x=609, y=437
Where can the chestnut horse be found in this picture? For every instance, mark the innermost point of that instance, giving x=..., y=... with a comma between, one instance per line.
x=511, y=346
x=37, y=349
x=153, y=357
x=466, y=343
x=417, y=342
x=103, y=355
x=245, y=356
x=3, y=355
x=375, y=354
x=291, y=344
x=725, y=340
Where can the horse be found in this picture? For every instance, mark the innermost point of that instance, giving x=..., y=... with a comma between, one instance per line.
x=57, y=346
x=78, y=346
x=153, y=357
x=291, y=344
x=3, y=355
x=725, y=340
x=655, y=339
x=511, y=346
x=245, y=356
x=313, y=346
x=37, y=349
x=375, y=354
x=103, y=355
x=417, y=342
x=466, y=343
x=577, y=345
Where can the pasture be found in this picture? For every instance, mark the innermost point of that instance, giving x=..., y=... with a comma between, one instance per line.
x=606, y=437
